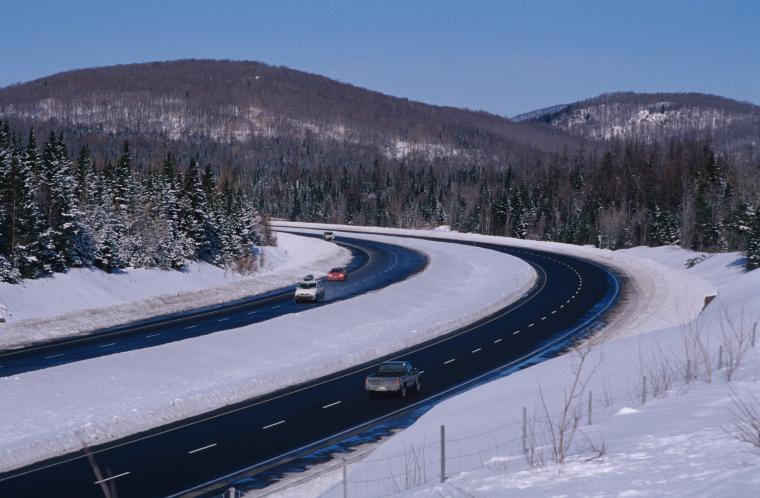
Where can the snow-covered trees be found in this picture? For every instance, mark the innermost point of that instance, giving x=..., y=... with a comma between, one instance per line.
x=56, y=214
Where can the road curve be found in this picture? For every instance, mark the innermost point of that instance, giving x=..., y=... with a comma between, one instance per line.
x=204, y=452
x=374, y=265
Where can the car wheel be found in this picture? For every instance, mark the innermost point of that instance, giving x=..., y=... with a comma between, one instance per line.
x=403, y=391
x=418, y=386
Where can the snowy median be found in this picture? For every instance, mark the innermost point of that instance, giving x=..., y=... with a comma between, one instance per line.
x=50, y=412
x=673, y=391
x=83, y=300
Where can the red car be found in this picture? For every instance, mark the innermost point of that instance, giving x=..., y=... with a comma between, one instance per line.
x=337, y=274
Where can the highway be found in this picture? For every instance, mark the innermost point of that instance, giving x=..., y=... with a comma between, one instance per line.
x=374, y=265
x=240, y=440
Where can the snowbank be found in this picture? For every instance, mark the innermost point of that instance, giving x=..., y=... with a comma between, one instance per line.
x=653, y=298
x=83, y=300
x=675, y=441
x=46, y=412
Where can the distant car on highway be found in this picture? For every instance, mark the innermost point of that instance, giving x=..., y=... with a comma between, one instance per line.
x=337, y=275
x=328, y=236
x=309, y=290
x=394, y=376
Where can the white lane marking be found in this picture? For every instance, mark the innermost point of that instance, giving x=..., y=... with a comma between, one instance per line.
x=568, y=301
x=223, y=319
x=562, y=306
x=251, y=312
x=449, y=361
x=196, y=450
x=497, y=341
x=515, y=332
x=273, y=425
x=543, y=318
x=275, y=307
x=152, y=335
x=256, y=403
x=332, y=404
x=532, y=324
x=112, y=477
x=476, y=350
x=54, y=356
x=422, y=372
x=190, y=327
x=553, y=312
x=107, y=345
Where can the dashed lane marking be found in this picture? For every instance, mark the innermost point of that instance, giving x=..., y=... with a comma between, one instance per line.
x=112, y=477
x=196, y=450
x=332, y=404
x=273, y=425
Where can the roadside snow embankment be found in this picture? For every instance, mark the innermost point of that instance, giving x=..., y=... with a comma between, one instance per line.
x=49, y=412
x=664, y=405
x=84, y=300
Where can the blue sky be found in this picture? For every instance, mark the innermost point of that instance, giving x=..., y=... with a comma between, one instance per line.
x=505, y=57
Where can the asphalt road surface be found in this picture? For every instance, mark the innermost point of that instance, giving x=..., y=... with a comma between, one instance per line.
x=570, y=295
x=374, y=265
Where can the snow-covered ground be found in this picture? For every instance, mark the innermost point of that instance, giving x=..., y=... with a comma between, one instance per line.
x=671, y=435
x=50, y=412
x=83, y=300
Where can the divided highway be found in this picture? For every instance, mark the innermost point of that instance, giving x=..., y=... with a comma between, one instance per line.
x=374, y=265
x=204, y=452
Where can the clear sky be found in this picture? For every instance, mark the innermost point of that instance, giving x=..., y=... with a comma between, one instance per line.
x=503, y=56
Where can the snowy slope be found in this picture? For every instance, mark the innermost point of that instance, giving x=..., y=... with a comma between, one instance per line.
x=46, y=412
x=677, y=441
x=82, y=300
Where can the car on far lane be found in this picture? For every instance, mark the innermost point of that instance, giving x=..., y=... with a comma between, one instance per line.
x=309, y=290
x=337, y=275
x=394, y=376
x=328, y=236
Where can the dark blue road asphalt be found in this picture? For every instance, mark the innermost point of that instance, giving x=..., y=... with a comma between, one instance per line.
x=374, y=265
x=570, y=294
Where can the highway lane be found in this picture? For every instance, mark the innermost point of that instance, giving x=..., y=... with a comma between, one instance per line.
x=374, y=265
x=243, y=439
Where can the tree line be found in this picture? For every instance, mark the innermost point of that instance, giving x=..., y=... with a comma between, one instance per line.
x=631, y=194
x=57, y=213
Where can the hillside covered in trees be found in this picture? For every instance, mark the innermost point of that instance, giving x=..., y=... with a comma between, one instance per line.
x=57, y=213
x=214, y=143
x=732, y=126
x=633, y=194
x=239, y=112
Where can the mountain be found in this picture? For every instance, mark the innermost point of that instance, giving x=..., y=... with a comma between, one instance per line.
x=651, y=117
x=242, y=111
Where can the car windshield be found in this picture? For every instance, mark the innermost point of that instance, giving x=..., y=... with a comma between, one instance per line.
x=307, y=285
x=336, y=270
x=390, y=369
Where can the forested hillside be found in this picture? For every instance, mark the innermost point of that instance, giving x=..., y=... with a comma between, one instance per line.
x=239, y=112
x=214, y=143
x=733, y=127
x=633, y=194
x=57, y=213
